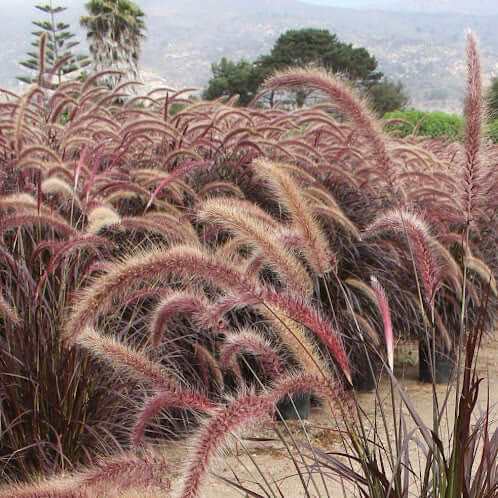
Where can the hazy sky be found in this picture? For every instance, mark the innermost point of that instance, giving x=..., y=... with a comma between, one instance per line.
x=72, y=3
x=346, y=3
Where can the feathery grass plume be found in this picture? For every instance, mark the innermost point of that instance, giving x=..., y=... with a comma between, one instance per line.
x=247, y=340
x=101, y=217
x=20, y=201
x=244, y=412
x=304, y=382
x=365, y=325
x=344, y=98
x=474, y=118
x=53, y=221
x=239, y=415
x=383, y=304
x=9, y=312
x=288, y=309
x=152, y=266
x=127, y=472
x=363, y=287
x=294, y=338
x=168, y=399
x=483, y=270
x=165, y=226
x=316, y=247
x=338, y=217
x=452, y=269
x=206, y=358
x=259, y=235
x=121, y=357
x=221, y=186
x=178, y=172
x=191, y=262
x=118, y=473
x=55, y=185
x=173, y=304
x=425, y=252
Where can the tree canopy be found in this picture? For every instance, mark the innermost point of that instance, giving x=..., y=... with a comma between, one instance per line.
x=306, y=47
x=233, y=78
x=319, y=47
x=386, y=96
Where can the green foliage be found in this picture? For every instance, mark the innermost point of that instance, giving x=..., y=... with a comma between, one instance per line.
x=492, y=98
x=115, y=30
x=386, y=96
x=492, y=131
x=59, y=58
x=303, y=47
x=230, y=78
x=430, y=124
x=319, y=47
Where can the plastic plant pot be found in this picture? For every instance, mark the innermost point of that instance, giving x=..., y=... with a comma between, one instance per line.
x=298, y=408
x=445, y=364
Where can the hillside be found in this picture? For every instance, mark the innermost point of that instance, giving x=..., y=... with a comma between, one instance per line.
x=421, y=49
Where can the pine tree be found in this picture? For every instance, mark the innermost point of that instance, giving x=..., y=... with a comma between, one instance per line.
x=60, y=62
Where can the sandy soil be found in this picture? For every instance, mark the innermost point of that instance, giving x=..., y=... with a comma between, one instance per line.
x=321, y=429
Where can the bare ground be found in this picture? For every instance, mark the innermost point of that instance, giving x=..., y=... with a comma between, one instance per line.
x=274, y=461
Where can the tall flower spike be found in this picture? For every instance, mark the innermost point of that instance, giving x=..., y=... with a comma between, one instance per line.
x=315, y=244
x=238, y=415
x=260, y=235
x=474, y=114
x=342, y=97
x=386, y=318
x=425, y=252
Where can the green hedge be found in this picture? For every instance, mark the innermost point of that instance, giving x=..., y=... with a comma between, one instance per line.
x=435, y=124
x=492, y=131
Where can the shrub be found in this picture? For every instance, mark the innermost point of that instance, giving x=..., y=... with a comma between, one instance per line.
x=217, y=260
x=426, y=124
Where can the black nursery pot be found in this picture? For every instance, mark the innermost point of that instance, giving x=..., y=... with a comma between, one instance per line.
x=364, y=380
x=299, y=410
x=445, y=364
x=364, y=370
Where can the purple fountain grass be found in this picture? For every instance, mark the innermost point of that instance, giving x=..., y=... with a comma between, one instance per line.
x=472, y=182
x=173, y=304
x=242, y=413
x=122, y=357
x=386, y=318
x=316, y=246
x=250, y=341
x=167, y=399
x=152, y=266
x=208, y=363
x=9, y=312
x=343, y=97
x=125, y=472
x=329, y=391
x=118, y=473
x=177, y=173
x=259, y=235
x=28, y=220
x=304, y=314
x=425, y=252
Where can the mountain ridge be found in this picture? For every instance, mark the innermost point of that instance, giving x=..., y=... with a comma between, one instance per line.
x=424, y=51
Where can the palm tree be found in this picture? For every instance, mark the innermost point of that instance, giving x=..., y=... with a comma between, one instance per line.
x=115, y=29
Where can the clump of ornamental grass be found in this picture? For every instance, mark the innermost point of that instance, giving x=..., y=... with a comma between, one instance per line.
x=222, y=248
x=466, y=463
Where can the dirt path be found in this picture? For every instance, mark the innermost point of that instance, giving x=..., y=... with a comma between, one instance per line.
x=273, y=459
